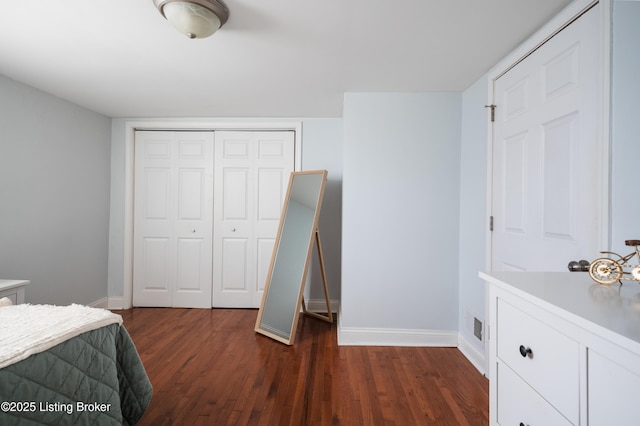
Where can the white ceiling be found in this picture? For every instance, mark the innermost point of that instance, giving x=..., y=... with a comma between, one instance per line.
x=275, y=58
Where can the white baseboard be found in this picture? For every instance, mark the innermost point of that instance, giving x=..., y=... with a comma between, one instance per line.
x=352, y=336
x=471, y=352
x=320, y=305
x=100, y=303
x=115, y=303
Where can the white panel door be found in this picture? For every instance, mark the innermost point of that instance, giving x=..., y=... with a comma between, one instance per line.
x=251, y=175
x=173, y=219
x=546, y=153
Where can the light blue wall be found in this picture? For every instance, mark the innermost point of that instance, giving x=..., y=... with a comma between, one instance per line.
x=54, y=196
x=321, y=149
x=473, y=208
x=625, y=123
x=401, y=160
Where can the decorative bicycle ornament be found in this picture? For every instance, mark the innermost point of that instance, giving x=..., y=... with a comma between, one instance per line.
x=607, y=271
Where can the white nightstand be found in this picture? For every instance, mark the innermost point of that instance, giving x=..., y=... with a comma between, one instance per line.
x=13, y=289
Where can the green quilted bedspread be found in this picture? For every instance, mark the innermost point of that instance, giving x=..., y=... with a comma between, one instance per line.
x=96, y=378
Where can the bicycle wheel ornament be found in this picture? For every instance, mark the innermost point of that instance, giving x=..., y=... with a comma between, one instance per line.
x=605, y=271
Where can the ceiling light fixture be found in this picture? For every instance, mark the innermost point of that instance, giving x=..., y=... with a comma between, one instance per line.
x=195, y=18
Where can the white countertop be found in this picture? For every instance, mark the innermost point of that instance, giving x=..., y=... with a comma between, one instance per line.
x=8, y=284
x=575, y=296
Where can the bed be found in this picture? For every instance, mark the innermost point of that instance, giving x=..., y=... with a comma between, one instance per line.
x=72, y=364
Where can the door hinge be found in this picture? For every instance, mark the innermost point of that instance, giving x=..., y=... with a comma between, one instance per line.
x=493, y=112
x=490, y=223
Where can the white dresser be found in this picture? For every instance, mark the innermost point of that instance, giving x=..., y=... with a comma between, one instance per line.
x=563, y=350
x=13, y=289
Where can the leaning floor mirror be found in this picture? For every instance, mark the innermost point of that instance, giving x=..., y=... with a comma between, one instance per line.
x=283, y=295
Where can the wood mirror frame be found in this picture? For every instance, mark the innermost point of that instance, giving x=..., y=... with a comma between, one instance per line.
x=284, y=288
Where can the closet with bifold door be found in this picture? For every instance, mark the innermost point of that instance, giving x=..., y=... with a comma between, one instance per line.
x=206, y=210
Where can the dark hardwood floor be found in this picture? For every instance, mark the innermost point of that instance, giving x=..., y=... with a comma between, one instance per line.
x=209, y=367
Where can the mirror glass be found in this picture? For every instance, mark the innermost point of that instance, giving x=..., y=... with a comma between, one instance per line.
x=282, y=296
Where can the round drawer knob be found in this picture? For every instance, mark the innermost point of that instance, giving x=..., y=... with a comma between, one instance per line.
x=525, y=352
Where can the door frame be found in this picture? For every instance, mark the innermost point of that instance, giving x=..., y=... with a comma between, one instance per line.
x=569, y=14
x=169, y=125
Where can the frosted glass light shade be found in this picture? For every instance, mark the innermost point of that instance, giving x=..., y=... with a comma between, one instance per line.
x=191, y=19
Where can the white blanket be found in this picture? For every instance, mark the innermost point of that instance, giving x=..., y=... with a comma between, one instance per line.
x=29, y=329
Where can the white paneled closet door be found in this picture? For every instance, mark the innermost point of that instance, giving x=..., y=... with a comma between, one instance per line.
x=546, y=153
x=252, y=172
x=173, y=218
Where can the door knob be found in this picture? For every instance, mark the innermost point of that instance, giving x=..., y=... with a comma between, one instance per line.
x=525, y=352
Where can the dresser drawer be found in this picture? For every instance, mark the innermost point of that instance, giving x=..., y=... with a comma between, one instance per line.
x=613, y=389
x=551, y=367
x=519, y=404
